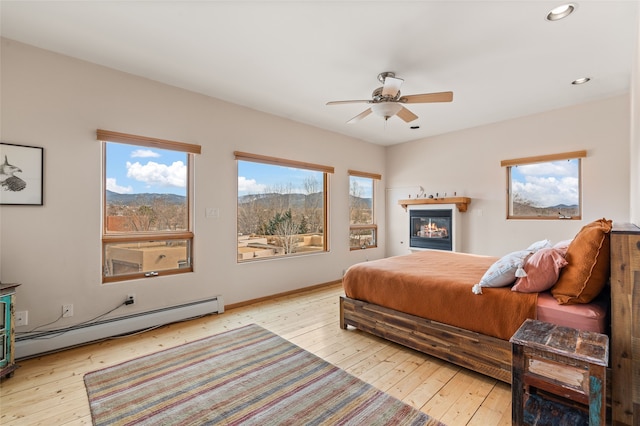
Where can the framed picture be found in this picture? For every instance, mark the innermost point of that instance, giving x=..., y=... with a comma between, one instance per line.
x=21, y=174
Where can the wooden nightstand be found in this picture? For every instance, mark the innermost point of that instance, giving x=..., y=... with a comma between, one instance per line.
x=558, y=372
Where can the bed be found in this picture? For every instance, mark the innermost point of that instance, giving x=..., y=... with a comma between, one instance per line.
x=425, y=301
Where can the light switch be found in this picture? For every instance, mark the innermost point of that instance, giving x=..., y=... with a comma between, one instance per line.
x=212, y=213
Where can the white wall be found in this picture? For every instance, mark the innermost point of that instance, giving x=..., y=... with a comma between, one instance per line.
x=634, y=158
x=468, y=162
x=57, y=102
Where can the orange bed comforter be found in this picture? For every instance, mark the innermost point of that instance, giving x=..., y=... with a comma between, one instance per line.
x=436, y=285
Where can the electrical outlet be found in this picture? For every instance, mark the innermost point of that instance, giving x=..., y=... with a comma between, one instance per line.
x=22, y=318
x=131, y=299
x=67, y=310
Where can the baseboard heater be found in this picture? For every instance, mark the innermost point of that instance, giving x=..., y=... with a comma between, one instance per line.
x=28, y=346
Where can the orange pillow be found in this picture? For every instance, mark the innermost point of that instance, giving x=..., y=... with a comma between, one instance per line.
x=588, y=266
x=542, y=268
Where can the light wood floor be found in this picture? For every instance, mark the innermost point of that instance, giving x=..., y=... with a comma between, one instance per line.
x=50, y=390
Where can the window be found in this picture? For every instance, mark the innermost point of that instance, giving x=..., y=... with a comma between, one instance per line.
x=147, y=206
x=282, y=207
x=544, y=187
x=362, y=224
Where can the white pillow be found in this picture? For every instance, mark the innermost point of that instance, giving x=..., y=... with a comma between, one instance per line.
x=539, y=245
x=505, y=271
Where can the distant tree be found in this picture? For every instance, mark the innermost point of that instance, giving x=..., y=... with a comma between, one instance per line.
x=283, y=213
x=142, y=218
x=359, y=211
x=160, y=215
x=278, y=197
x=252, y=214
x=304, y=226
x=313, y=211
x=115, y=209
x=284, y=230
x=286, y=235
x=169, y=216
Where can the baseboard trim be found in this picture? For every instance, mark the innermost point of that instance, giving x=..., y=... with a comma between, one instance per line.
x=286, y=293
x=36, y=344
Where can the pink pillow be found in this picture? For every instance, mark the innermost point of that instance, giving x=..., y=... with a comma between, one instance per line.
x=543, y=269
x=562, y=246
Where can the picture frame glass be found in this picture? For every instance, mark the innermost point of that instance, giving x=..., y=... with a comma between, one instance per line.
x=21, y=174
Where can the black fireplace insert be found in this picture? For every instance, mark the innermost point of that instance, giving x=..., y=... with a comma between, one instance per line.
x=431, y=229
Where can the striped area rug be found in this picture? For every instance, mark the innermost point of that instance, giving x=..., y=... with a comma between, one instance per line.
x=247, y=376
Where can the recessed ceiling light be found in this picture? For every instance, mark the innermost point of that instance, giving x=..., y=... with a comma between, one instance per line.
x=561, y=12
x=580, y=80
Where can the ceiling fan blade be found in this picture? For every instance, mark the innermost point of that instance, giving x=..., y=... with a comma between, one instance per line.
x=406, y=115
x=427, y=97
x=360, y=116
x=391, y=86
x=348, y=102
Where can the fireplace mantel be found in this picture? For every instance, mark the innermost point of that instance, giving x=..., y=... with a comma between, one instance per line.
x=461, y=202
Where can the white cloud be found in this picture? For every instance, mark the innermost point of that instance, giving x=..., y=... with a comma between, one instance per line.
x=154, y=173
x=114, y=187
x=548, y=183
x=552, y=168
x=250, y=186
x=144, y=153
x=548, y=191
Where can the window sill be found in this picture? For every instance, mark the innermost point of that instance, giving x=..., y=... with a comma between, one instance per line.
x=362, y=248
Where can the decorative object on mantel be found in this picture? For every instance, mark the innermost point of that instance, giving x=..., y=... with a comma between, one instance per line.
x=461, y=202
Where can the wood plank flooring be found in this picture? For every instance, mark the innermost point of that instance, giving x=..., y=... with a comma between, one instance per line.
x=49, y=390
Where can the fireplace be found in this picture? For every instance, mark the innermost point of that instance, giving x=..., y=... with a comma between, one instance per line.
x=431, y=229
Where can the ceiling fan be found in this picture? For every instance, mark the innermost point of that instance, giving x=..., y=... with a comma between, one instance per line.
x=387, y=101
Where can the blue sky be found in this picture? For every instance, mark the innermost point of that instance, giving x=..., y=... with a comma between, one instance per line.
x=364, y=187
x=134, y=170
x=258, y=178
x=548, y=184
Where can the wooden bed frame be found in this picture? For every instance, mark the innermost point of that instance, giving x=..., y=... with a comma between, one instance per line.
x=487, y=355
x=492, y=356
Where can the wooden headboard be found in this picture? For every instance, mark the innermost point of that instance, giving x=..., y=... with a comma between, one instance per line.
x=625, y=324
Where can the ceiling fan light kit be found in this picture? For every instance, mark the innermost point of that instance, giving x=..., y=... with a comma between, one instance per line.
x=386, y=101
x=386, y=109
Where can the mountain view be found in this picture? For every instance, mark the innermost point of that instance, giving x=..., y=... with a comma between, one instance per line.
x=143, y=199
x=529, y=210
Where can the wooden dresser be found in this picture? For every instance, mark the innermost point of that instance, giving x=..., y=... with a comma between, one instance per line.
x=625, y=324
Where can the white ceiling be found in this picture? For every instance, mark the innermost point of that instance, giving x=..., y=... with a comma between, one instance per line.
x=501, y=59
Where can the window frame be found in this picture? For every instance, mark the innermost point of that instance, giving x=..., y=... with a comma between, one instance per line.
x=276, y=161
x=509, y=164
x=375, y=177
x=112, y=237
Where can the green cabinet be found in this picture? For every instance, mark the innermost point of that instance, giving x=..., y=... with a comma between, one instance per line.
x=7, y=329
